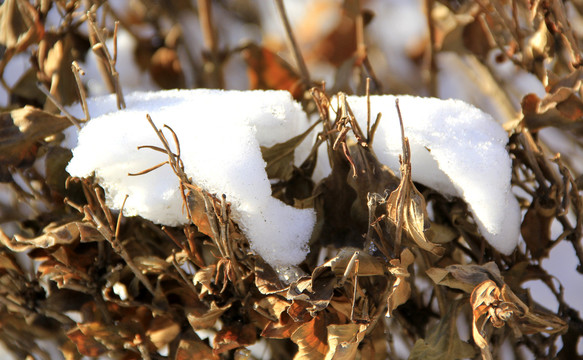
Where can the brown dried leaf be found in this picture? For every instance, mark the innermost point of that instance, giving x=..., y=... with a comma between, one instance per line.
x=95, y=338
x=266, y=278
x=266, y=70
x=20, y=133
x=55, y=56
x=401, y=290
x=443, y=341
x=501, y=306
x=151, y=264
x=233, y=337
x=367, y=265
x=562, y=109
x=7, y=261
x=280, y=157
x=162, y=331
x=465, y=277
x=343, y=340
x=203, y=317
x=20, y=24
x=166, y=69
x=198, y=213
x=282, y=329
x=311, y=339
x=53, y=235
x=86, y=345
x=406, y=206
x=205, y=277
x=194, y=349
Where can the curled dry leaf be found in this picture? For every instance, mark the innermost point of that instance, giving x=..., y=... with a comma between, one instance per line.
x=53, y=235
x=401, y=290
x=406, y=206
x=561, y=107
x=501, y=306
x=465, y=277
x=343, y=340
x=280, y=157
x=311, y=339
x=202, y=317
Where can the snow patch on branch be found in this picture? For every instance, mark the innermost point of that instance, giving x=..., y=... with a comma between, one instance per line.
x=457, y=150
x=220, y=134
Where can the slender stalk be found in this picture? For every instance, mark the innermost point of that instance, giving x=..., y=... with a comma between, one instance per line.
x=292, y=44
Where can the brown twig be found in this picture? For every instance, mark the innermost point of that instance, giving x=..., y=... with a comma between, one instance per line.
x=292, y=44
x=77, y=71
x=101, y=50
x=58, y=104
x=209, y=36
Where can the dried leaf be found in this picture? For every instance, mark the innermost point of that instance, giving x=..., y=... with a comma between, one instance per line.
x=96, y=338
x=465, y=277
x=166, y=69
x=205, y=277
x=20, y=24
x=198, y=212
x=194, y=349
x=343, y=340
x=20, y=133
x=205, y=318
x=443, y=341
x=233, y=337
x=7, y=262
x=311, y=339
x=162, y=331
x=282, y=329
x=501, y=306
x=367, y=265
x=151, y=264
x=86, y=345
x=562, y=108
x=401, y=290
x=406, y=206
x=280, y=157
x=267, y=70
x=55, y=56
x=266, y=278
x=53, y=235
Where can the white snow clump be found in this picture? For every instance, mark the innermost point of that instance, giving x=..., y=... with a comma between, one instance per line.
x=220, y=134
x=457, y=150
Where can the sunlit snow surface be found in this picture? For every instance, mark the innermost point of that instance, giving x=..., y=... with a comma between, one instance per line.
x=457, y=150
x=220, y=134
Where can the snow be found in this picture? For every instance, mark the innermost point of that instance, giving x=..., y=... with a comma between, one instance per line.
x=220, y=134
x=457, y=150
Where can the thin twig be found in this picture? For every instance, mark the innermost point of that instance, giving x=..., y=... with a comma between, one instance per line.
x=292, y=44
x=77, y=71
x=209, y=36
x=110, y=61
x=57, y=103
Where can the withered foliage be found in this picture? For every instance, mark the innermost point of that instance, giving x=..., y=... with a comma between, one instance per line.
x=385, y=278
